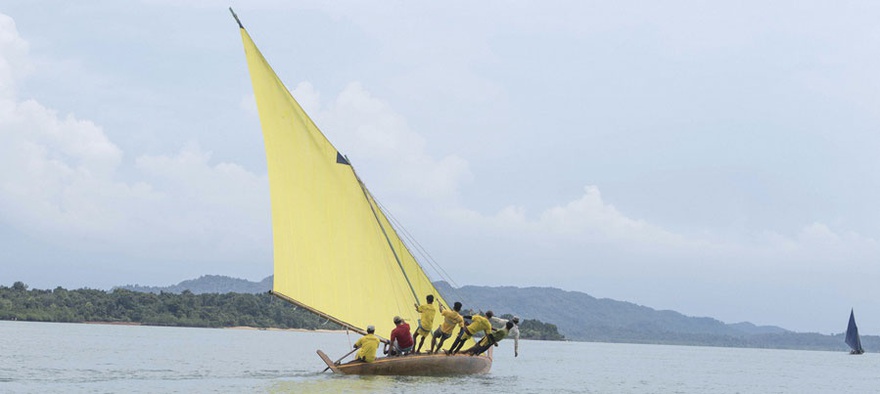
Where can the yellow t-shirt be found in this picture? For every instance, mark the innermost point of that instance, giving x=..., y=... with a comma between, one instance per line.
x=479, y=323
x=426, y=322
x=368, y=344
x=451, y=318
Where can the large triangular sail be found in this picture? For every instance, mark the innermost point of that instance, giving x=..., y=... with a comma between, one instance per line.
x=335, y=252
x=852, y=335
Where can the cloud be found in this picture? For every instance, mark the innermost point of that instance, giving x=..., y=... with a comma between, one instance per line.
x=52, y=168
x=14, y=62
x=64, y=181
x=587, y=219
x=590, y=226
x=818, y=247
x=60, y=179
x=208, y=209
x=388, y=154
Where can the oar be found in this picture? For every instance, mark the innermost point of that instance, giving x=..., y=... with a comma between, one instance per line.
x=340, y=359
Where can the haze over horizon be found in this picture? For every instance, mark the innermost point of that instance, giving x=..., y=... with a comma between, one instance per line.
x=716, y=160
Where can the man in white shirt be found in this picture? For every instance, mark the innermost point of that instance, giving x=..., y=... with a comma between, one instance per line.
x=512, y=333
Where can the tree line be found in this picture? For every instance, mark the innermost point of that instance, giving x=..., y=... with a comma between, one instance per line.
x=185, y=309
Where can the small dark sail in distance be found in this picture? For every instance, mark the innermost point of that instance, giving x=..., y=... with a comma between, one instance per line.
x=852, y=336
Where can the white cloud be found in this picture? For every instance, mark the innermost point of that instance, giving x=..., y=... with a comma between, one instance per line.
x=54, y=170
x=63, y=180
x=59, y=179
x=593, y=217
x=218, y=208
x=818, y=247
x=588, y=219
x=14, y=62
x=590, y=226
x=381, y=145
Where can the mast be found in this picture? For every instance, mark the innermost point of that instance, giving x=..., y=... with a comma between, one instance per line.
x=367, y=195
x=236, y=18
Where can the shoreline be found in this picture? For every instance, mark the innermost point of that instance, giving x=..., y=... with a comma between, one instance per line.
x=279, y=329
x=123, y=323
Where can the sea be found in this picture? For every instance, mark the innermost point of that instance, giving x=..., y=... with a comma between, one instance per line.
x=96, y=358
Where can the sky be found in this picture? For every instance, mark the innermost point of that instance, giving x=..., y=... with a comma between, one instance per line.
x=714, y=159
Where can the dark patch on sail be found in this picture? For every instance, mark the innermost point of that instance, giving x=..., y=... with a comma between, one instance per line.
x=342, y=159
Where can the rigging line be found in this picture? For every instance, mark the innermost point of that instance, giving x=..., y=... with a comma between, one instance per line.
x=430, y=259
x=367, y=196
x=453, y=291
x=418, y=246
x=398, y=226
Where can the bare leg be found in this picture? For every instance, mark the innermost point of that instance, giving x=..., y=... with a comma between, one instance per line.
x=440, y=345
x=454, y=345
x=433, y=343
x=455, y=349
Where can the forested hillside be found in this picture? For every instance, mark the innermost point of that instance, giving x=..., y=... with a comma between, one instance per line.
x=188, y=309
x=164, y=309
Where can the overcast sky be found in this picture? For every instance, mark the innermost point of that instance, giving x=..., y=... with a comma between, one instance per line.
x=718, y=160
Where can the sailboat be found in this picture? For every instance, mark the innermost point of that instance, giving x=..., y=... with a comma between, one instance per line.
x=852, y=335
x=336, y=253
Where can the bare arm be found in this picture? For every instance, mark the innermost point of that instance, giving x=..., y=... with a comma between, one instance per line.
x=515, y=341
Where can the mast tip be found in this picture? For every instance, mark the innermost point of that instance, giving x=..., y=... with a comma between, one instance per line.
x=236, y=18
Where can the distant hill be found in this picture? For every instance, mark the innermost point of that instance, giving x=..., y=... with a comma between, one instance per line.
x=582, y=317
x=208, y=284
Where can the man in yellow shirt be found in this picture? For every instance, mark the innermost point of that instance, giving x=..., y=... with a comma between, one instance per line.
x=426, y=322
x=478, y=323
x=490, y=340
x=451, y=318
x=368, y=345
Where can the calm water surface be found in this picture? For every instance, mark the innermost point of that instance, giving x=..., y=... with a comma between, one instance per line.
x=56, y=357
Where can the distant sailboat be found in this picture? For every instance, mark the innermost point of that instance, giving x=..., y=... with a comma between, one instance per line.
x=852, y=335
x=335, y=251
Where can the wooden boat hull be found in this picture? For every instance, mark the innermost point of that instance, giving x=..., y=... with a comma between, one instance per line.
x=415, y=365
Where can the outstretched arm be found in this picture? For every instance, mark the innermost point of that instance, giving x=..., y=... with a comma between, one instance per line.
x=516, y=342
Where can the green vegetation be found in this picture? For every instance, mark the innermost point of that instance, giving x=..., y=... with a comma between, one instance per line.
x=185, y=309
x=535, y=329
x=164, y=309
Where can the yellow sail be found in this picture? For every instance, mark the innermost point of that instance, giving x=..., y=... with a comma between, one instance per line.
x=335, y=251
